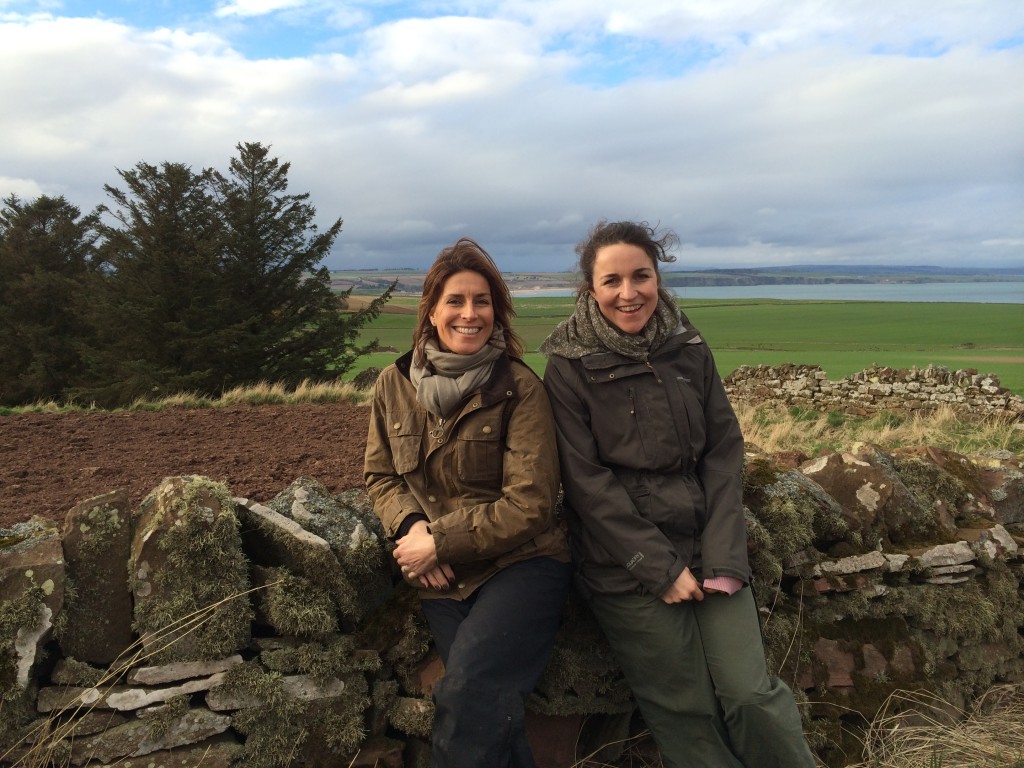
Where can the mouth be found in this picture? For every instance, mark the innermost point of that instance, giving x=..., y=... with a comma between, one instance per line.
x=630, y=308
x=466, y=331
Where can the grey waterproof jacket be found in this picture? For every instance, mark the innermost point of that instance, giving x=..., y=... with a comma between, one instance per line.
x=652, y=459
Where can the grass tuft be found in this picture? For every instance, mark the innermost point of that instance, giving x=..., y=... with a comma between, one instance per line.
x=914, y=729
x=775, y=428
x=263, y=393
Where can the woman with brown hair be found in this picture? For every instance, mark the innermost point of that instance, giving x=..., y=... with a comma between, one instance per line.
x=462, y=469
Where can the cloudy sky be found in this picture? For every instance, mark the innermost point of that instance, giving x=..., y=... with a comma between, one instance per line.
x=764, y=133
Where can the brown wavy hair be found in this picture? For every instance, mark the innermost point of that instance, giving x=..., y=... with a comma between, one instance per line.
x=465, y=255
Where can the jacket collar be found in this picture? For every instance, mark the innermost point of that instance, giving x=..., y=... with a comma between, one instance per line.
x=500, y=386
x=599, y=360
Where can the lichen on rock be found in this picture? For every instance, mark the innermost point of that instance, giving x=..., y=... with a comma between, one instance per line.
x=188, y=574
x=346, y=521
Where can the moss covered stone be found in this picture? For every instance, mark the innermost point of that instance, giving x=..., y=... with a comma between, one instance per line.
x=188, y=575
x=348, y=524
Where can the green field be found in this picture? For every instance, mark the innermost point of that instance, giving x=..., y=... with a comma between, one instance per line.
x=843, y=337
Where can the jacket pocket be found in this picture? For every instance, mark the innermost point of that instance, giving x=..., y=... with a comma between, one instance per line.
x=405, y=435
x=671, y=504
x=479, y=458
x=652, y=434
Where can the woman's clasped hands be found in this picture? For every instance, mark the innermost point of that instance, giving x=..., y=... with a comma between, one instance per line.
x=416, y=555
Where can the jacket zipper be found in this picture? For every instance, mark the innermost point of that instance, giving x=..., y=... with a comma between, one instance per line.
x=656, y=376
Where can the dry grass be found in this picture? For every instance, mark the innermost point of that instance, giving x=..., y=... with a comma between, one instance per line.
x=263, y=393
x=775, y=428
x=914, y=730
x=306, y=392
x=637, y=752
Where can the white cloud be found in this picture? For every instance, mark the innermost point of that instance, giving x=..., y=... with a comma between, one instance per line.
x=491, y=52
x=804, y=131
x=247, y=8
x=26, y=189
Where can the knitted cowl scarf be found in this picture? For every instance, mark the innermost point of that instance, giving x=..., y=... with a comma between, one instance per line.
x=587, y=331
x=445, y=379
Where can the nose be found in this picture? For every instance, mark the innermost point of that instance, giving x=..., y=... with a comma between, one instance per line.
x=628, y=289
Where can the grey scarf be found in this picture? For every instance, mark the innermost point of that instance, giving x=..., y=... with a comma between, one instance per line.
x=443, y=382
x=587, y=331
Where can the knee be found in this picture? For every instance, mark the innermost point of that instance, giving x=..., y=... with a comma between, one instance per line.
x=476, y=699
x=772, y=697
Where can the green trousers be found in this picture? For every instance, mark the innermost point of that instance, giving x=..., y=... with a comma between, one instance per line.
x=697, y=671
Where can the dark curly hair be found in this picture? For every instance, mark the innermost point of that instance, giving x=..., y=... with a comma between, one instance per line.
x=638, y=233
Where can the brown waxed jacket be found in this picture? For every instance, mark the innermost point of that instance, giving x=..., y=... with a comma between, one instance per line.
x=486, y=478
x=652, y=459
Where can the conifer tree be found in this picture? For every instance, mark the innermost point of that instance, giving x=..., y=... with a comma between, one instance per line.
x=294, y=324
x=47, y=269
x=162, y=317
x=213, y=281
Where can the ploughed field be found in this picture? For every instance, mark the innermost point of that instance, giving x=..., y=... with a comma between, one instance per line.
x=50, y=462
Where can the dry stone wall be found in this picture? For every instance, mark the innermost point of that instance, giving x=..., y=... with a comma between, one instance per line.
x=914, y=390
x=202, y=629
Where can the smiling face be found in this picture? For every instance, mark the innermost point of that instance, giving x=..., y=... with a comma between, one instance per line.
x=625, y=286
x=464, y=315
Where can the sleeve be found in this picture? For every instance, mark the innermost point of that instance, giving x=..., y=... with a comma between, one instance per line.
x=726, y=584
x=600, y=502
x=724, y=539
x=392, y=500
x=529, y=488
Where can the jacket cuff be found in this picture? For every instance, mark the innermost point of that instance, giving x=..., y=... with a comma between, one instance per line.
x=408, y=522
x=453, y=546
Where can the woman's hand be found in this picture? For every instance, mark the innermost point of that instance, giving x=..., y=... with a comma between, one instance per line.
x=685, y=587
x=417, y=556
x=439, y=578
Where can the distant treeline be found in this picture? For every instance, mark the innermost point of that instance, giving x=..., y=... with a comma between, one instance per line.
x=186, y=282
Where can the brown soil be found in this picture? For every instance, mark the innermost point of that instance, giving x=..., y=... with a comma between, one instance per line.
x=50, y=462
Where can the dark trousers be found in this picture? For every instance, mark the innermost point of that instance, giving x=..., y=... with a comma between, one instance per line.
x=494, y=646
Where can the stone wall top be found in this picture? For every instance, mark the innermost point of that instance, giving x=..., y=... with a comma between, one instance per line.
x=878, y=388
